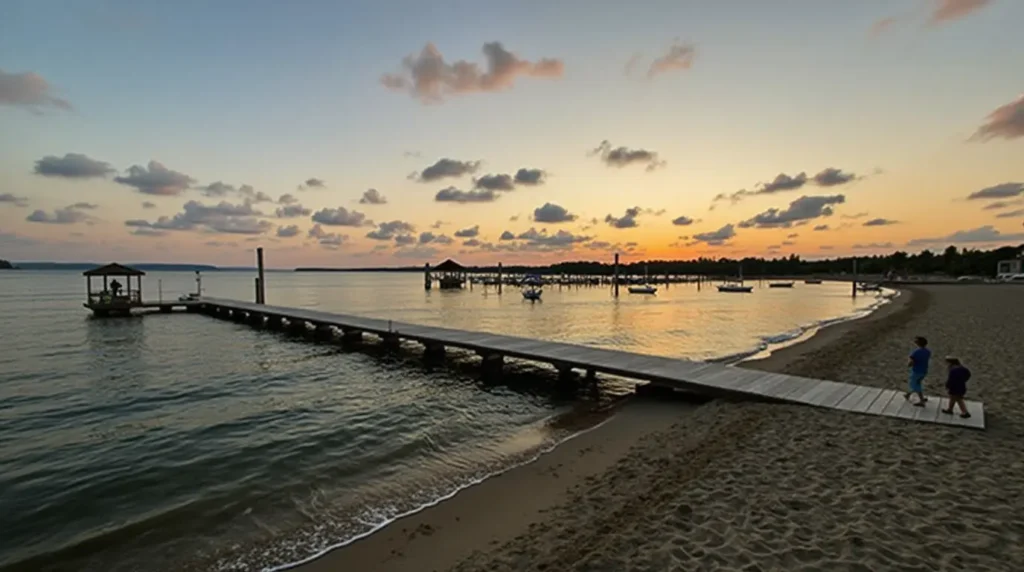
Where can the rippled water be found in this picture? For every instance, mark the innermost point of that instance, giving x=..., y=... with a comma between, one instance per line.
x=173, y=442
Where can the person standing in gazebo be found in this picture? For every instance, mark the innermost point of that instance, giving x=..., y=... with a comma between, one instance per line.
x=115, y=287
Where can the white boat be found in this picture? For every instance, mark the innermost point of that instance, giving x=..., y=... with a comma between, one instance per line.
x=644, y=288
x=532, y=288
x=736, y=287
x=865, y=287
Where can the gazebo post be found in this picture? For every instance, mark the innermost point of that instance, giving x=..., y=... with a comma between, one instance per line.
x=105, y=289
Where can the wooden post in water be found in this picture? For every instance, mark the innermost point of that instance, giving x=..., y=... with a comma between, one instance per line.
x=261, y=284
x=426, y=276
x=615, y=276
x=499, y=278
x=854, y=277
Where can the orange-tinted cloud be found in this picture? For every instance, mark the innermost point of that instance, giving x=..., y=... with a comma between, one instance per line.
x=1007, y=122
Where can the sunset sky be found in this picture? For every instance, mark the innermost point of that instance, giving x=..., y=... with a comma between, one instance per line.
x=367, y=133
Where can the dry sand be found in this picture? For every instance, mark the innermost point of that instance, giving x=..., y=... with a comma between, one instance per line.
x=746, y=486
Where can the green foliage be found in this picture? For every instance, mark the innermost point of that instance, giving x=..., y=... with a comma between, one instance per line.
x=5, y=265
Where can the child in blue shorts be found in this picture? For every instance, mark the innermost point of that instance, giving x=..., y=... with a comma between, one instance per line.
x=918, y=363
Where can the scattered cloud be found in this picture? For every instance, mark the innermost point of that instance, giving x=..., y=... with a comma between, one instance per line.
x=292, y=211
x=495, y=182
x=429, y=78
x=830, y=177
x=552, y=213
x=530, y=176
x=853, y=216
x=222, y=217
x=983, y=234
x=1002, y=191
x=405, y=239
x=390, y=230
x=313, y=183
x=155, y=179
x=372, y=197
x=788, y=243
x=473, y=242
x=68, y=215
x=1006, y=122
x=1011, y=214
x=825, y=247
x=415, y=154
x=453, y=195
x=72, y=166
x=29, y=90
x=431, y=238
x=803, y=209
x=792, y=235
x=820, y=228
x=326, y=239
x=682, y=221
x=627, y=220
x=513, y=218
x=470, y=232
x=287, y=231
x=438, y=224
x=679, y=57
x=217, y=189
x=880, y=222
x=507, y=235
x=148, y=205
x=14, y=200
x=559, y=240
x=287, y=199
x=873, y=246
x=149, y=232
x=949, y=10
x=623, y=156
x=340, y=217
x=716, y=237
x=443, y=168
x=1002, y=205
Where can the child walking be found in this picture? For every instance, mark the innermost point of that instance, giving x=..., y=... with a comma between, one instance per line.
x=956, y=386
x=918, y=370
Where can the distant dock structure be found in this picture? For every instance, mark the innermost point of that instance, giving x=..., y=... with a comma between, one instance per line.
x=121, y=299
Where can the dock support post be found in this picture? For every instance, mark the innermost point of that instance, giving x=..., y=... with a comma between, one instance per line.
x=615, y=275
x=350, y=336
x=499, y=278
x=491, y=364
x=591, y=375
x=273, y=322
x=426, y=276
x=854, y=277
x=297, y=327
x=324, y=333
x=261, y=296
x=257, y=282
x=390, y=340
x=566, y=377
x=239, y=315
x=433, y=351
x=256, y=319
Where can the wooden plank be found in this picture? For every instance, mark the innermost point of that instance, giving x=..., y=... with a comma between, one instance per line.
x=783, y=387
x=865, y=402
x=882, y=401
x=814, y=391
x=853, y=398
x=907, y=410
x=930, y=412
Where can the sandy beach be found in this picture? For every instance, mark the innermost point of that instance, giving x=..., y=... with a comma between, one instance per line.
x=748, y=486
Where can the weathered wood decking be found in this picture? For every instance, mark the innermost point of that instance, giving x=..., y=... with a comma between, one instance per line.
x=698, y=377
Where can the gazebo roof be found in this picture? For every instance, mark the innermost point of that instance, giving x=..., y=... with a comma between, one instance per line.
x=113, y=269
x=449, y=266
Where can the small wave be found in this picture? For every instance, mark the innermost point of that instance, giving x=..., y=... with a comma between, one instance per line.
x=379, y=519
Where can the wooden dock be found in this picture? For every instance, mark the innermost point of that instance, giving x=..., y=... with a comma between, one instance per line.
x=711, y=379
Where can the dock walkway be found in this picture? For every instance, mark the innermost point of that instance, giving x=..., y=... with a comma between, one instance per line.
x=698, y=377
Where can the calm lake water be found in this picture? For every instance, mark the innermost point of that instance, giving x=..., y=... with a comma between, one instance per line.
x=180, y=442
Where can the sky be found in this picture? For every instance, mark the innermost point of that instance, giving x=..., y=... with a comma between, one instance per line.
x=394, y=132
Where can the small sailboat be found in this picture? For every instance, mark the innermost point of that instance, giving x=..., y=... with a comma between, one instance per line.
x=780, y=284
x=812, y=281
x=737, y=286
x=532, y=288
x=644, y=288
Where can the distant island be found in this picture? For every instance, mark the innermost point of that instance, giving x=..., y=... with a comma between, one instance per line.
x=5, y=265
x=145, y=266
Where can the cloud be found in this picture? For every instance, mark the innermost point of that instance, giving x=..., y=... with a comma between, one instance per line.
x=340, y=217
x=453, y=195
x=372, y=197
x=222, y=217
x=495, y=182
x=873, y=245
x=326, y=239
x=1002, y=205
x=389, y=230
x=987, y=233
x=415, y=154
x=1011, y=214
x=473, y=242
x=447, y=168
x=287, y=231
x=150, y=232
x=627, y=220
x=682, y=221
x=820, y=228
x=623, y=156
x=250, y=194
x=830, y=177
x=1007, y=122
x=880, y=222
x=430, y=79
x=438, y=224
x=678, y=58
x=68, y=215
x=949, y=10
x=217, y=189
x=552, y=213
x=292, y=211
x=72, y=166
x=29, y=90
x=155, y=179
x=429, y=237
x=825, y=247
x=14, y=200
x=784, y=182
x=1002, y=191
x=507, y=235
x=405, y=239
x=530, y=176
x=788, y=243
x=792, y=235
x=802, y=209
x=313, y=183
x=287, y=199
x=560, y=240
x=715, y=237
x=470, y=232
x=85, y=206
x=148, y=205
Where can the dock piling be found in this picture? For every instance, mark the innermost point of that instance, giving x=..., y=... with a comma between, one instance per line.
x=499, y=278
x=615, y=275
x=261, y=284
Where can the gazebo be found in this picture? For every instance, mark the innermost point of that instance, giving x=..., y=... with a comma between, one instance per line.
x=452, y=275
x=115, y=297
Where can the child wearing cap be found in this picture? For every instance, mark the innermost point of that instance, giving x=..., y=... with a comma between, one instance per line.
x=956, y=386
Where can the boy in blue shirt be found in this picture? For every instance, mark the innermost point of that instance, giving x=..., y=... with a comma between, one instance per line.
x=918, y=363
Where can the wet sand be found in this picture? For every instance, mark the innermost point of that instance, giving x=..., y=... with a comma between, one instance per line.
x=747, y=486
